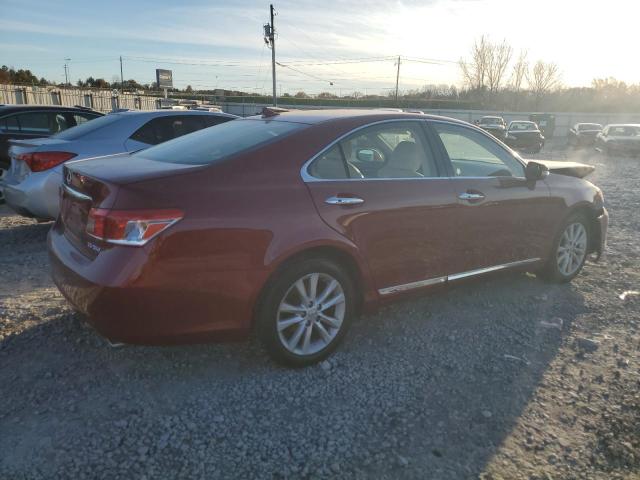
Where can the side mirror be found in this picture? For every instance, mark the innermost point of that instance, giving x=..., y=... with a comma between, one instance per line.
x=535, y=171
x=366, y=155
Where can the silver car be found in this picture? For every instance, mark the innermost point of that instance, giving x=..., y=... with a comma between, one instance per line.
x=32, y=182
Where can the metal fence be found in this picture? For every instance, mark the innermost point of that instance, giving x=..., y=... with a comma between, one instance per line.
x=103, y=100
x=109, y=100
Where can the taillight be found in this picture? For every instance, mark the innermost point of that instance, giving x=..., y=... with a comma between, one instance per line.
x=39, y=161
x=129, y=227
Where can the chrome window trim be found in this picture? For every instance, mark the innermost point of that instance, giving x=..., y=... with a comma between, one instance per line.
x=455, y=276
x=307, y=177
x=75, y=193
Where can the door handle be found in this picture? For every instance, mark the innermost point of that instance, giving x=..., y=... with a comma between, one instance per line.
x=340, y=200
x=470, y=197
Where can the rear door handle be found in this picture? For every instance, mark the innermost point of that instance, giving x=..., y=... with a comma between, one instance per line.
x=470, y=197
x=340, y=200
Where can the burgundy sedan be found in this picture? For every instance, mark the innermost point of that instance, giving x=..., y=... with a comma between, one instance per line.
x=292, y=222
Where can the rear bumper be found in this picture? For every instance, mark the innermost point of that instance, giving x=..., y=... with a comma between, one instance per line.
x=128, y=297
x=35, y=196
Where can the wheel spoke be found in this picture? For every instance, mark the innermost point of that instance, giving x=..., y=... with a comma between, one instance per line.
x=284, y=324
x=334, y=322
x=295, y=339
x=328, y=290
x=288, y=308
x=334, y=301
x=323, y=332
x=302, y=290
x=307, y=338
x=313, y=286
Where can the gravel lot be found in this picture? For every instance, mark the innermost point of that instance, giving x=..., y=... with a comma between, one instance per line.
x=504, y=378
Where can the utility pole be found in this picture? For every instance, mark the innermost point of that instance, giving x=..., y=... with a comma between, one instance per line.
x=66, y=71
x=270, y=40
x=397, y=80
x=121, y=77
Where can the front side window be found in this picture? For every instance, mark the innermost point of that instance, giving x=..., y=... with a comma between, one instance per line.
x=473, y=154
x=387, y=150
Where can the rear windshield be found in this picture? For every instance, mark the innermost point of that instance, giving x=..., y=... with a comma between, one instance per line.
x=87, y=127
x=212, y=144
x=489, y=120
x=589, y=126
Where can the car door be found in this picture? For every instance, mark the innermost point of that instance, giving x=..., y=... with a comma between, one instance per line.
x=503, y=217
x=397, y=207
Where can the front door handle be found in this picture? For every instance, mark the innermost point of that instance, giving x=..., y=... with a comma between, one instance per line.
x=340, y=200
x=470, y=197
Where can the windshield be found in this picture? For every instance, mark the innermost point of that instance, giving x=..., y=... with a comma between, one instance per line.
x=85, y=128
x=589, y=126
x=522, y=126
x=212, y=144
x=490, y=120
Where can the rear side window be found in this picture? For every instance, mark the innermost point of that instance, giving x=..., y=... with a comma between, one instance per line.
x=212, y=144
x=211, y=120
x=34, y=123
x=9, y=124
x=81, y=118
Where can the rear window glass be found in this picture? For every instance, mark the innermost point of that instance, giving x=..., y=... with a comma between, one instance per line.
x=589, y=126
x=88, y=127
x=212, y=144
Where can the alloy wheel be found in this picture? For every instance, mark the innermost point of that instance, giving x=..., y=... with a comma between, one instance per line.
x=311, y=314
x=572, y=249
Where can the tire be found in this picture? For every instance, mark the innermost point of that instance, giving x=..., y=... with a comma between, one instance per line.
x=298, y=332
x=569, y=251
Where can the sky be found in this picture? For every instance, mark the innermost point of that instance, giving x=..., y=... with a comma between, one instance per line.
x=339, y=46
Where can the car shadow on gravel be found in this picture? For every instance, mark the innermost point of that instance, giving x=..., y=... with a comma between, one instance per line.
x=427, y=388
x=24, y=234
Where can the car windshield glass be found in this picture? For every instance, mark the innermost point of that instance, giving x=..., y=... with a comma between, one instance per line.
x=212, y=144
x=520, y=126
x=489, y=120
x=590, y=126
x=87, y=127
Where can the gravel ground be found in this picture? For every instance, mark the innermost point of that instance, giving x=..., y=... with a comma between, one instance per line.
x=503, y=378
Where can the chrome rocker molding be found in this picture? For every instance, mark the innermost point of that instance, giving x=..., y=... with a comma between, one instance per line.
x=455, y=276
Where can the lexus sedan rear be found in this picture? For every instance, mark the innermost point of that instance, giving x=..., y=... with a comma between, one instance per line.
x=291, y=223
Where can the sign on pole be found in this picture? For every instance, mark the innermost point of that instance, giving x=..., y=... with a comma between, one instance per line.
x=164, y=78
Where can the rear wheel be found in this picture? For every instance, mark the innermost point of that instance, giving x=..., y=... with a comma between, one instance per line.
x=569, y=252
x=306, y=312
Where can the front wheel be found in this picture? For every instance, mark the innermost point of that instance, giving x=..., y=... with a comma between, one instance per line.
x=569, y=252
x=305, y=312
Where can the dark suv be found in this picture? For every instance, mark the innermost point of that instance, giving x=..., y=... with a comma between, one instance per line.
x=34, y=121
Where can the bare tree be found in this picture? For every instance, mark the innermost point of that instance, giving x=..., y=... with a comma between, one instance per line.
x=499, y=58
x=519, y=72
x=475, y=71
x=543, y=78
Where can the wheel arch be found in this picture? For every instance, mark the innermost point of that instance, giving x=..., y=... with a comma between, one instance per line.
x=591, y=213
x=337, y=254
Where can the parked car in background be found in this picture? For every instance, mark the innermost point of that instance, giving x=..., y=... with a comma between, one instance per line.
x=583, y=134
x=278, y=228
x=36, y=121
x=496, y=126
x=523, y=135
x=619, y=139
x=31, y=184
x=546, y=122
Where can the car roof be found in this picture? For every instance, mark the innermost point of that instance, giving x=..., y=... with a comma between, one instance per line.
x=363, y=115
x=4, y=109
x=166, y=112
x=624, y=125
x=491, y=116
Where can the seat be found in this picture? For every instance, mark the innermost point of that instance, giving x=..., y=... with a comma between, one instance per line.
x=331, y=166
x=404, y=162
